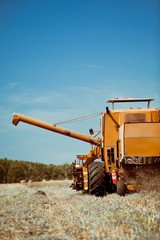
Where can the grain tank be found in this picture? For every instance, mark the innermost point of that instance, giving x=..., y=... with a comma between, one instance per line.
x=129, y=138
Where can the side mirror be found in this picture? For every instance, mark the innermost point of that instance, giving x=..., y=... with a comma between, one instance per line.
x=91, y=131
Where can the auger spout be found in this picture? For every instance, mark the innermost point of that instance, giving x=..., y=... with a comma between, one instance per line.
x=52, y=127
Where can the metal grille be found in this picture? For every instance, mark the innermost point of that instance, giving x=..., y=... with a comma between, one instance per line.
x=135, y=117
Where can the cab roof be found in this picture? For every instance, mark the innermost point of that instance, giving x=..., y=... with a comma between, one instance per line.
x=121, y=99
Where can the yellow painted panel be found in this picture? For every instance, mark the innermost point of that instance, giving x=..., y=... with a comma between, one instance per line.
x=110, y=130
x=85, y=178
x=151, y=115
x=142, y=146
x=154, y=116
x=142, y=130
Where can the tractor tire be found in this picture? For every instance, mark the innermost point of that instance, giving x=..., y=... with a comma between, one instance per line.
x=121, y=188
x=97, y=179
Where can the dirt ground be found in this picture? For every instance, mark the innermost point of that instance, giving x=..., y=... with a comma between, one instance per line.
x=52, y=210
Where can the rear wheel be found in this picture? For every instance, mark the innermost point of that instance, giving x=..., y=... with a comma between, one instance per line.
x=97, y=179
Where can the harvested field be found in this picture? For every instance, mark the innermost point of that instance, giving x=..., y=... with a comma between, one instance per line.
x=51, y=210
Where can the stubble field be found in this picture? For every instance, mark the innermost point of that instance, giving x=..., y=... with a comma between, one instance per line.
x=52, y=210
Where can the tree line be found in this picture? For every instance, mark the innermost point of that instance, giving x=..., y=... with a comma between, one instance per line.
x=16, y=171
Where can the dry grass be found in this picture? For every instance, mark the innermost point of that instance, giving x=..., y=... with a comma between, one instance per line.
x=51, y=210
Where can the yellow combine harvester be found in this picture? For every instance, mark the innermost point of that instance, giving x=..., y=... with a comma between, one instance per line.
x=129, y=138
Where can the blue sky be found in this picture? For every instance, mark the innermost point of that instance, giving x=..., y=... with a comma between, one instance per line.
x=64, y=59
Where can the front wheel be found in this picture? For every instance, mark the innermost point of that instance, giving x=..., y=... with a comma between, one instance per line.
x=97, y=179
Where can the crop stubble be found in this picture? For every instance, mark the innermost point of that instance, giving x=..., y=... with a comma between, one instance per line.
x=51, y=210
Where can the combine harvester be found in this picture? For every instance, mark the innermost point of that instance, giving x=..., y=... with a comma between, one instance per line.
x=129, y=138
